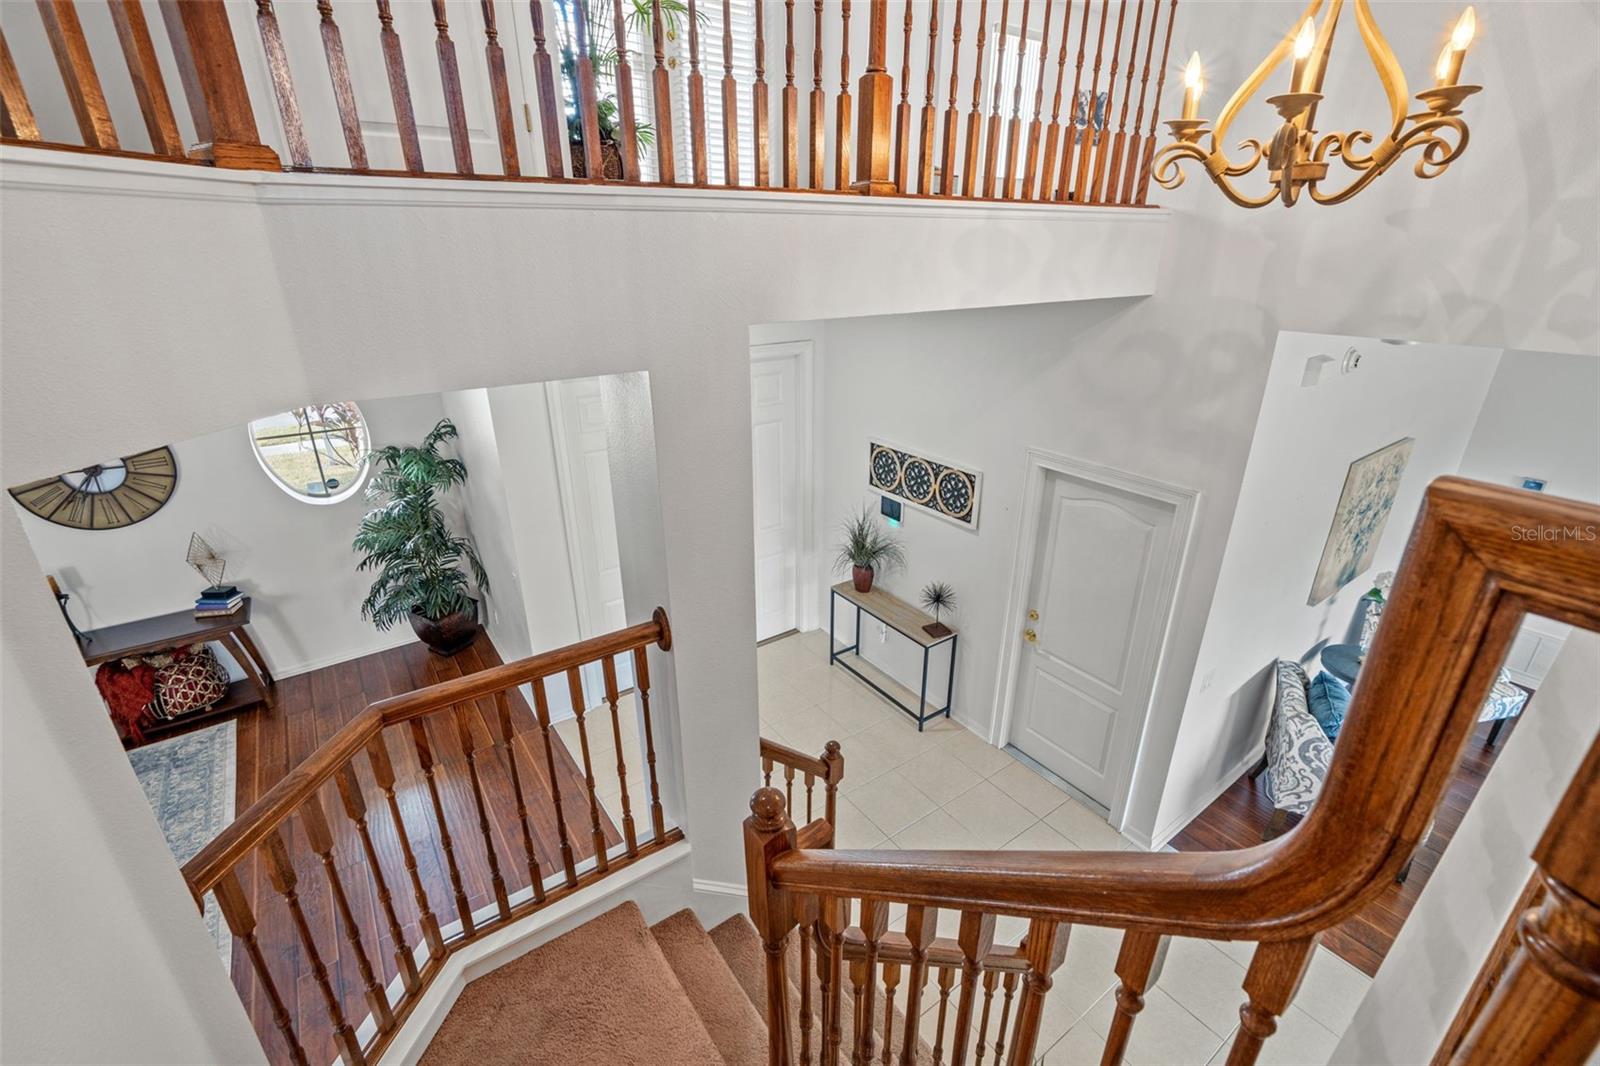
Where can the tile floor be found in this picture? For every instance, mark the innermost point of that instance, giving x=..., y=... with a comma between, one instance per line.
x=946, y=788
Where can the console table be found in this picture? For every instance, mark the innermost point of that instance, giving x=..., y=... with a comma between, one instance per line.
x=179, y=629
x=904, y=619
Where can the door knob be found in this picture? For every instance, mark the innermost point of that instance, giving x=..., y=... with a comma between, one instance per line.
x=1030, y=636
x=1033, y=616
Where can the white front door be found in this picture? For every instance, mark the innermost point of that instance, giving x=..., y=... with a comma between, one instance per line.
x=775, y=455
x=1091, y=633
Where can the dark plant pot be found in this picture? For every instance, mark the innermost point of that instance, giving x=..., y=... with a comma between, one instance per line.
x=610, y=160
x=447, y=635
x=936, y=629
x=861, y=577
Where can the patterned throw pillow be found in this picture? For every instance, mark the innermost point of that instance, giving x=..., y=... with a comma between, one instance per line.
x=190, y=684
x=1297, y=751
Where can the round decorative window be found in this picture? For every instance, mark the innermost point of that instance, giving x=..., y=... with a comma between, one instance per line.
x=314, y=453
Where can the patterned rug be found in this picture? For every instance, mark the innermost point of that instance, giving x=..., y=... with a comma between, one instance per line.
x=189, y=782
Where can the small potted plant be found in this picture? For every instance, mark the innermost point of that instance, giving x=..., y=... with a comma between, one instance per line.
x=938, y=597
x=867, y=549
x=423, y=567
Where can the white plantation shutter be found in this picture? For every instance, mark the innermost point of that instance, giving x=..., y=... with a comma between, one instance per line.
x=1032, y=58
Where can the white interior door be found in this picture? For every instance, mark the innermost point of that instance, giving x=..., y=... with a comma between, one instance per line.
x=1088, y=658
x=775, y=460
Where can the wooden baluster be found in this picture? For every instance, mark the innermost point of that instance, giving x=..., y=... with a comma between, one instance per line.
x=1009, y=983
x=462, y=713
x=1080, y=185
x=450, y=79
x=1103, y=143
x=235, y=908
x=1270, y=982
x=819, y=106
x=71, y=50
x=791, y=104
x=947, y=980
x=810, y=780
x=344, y=95
x=1044, y=949
x=213, y=83
x=758, y=91
x=641, y=688
x=976, y=937
x=952, y=111
x=876, y=90
x=280, y=869
x=766, y=771
x=541, y=711
x=806, y=933
x=1134, y=962
x=383, y=774
x=788, y=787
x=841, y=128
x=588, y=97
x=991, y=145
x=835, y=761
x=697, y=101
x=315, y=822
x=860, y=978
x=502, y=704
x=1052, y=133
x=969, y=166
x=1014, y=136
x=661, y=93
x=990, y=979
x=551, y=111
x=768, y=833
x=929, y=109
x=1113, y=183
x=394, y=64
x=921, y=926
x=144, y=68
x=891, y=981
x=874, y=923
x=832, y=918
x=608, y=669
x=1069, y=136
x=16, y=114
x=1130, y=167
x=627, y=135
x=419, y=738
x=1030, y=166
x=505, y=126
x=730, y=103
x=1155, y=107
x=902, y=120
x=282, y=84
x=355, y=808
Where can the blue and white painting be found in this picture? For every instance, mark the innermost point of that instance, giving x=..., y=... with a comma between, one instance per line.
x=1370, y=488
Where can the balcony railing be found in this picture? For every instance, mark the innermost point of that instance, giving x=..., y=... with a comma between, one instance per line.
x=1047, y=101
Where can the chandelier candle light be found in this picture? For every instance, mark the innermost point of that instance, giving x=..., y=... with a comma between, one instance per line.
x=1297, y=157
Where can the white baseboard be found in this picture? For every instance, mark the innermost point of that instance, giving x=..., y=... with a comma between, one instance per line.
x=716, y=901
x=1162, y=835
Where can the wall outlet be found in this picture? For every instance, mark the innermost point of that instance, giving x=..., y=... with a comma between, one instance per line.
x=1205, y=682
x=883, y=633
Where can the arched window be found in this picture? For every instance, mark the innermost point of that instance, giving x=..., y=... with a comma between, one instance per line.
x=315, y=452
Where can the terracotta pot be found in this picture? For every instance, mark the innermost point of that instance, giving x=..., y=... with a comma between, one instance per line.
x=447, y=635
x=861, y=577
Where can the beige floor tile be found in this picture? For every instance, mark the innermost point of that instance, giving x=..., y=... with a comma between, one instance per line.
x=1027, y=787
x=939, y=774
x=1081, y=1046
x=810, y=728
x=854, y=827
x=976, y=753
x=1332, y=990
x=864, y=762
x=936, y=831
x=1085, y=976
x=1205, y=982
x=1240, y=951
x=1083, y=827
x=989, y=814
x=1039, y=837
x=898, y=739
x=1164, y=1034
x=892, y=802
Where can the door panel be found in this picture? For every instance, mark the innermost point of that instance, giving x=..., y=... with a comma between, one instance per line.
x=775, y=464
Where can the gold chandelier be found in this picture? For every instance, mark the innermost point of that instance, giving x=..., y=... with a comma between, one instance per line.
x=1297, y=158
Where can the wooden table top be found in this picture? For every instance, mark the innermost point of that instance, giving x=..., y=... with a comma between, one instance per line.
x=156, y=634
x=896, y=613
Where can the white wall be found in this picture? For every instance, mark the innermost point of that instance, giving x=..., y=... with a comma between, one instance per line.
x=293, y=557
x=1541, y=418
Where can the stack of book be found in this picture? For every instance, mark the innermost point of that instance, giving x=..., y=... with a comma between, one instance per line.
x=218, y=601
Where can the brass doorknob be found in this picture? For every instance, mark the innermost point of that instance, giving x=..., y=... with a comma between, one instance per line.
x=1030, y=636
x=1033, y=616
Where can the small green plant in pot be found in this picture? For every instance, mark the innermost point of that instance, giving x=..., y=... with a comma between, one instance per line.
x=866, y=549
x=424, y=569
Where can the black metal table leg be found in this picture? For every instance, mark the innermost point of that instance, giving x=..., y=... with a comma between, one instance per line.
x=922, y=699
x=950, y=679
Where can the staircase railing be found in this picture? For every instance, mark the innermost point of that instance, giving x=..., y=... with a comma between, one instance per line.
x=616, y=93
x=1479, y=559
x=408, y=743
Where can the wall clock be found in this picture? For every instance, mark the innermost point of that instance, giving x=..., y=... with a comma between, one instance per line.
x=106, y=495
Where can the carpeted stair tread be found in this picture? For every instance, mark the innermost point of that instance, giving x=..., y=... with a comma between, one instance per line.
x=741, y=949
x=731, y=1020
x=599, y=995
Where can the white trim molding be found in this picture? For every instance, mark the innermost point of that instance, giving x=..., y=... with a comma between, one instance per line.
x=1184, y=503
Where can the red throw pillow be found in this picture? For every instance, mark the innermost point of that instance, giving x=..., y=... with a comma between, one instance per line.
x=190, y=684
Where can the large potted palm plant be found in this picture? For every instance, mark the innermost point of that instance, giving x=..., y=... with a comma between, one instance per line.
x=424, y=569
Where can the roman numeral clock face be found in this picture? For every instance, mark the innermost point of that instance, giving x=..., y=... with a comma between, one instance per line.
x=106, y=495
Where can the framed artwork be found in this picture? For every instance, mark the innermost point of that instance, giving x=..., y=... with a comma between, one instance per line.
x=950, y=491
x=1370, y=487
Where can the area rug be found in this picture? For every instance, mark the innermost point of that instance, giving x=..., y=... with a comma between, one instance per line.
x=189, y=782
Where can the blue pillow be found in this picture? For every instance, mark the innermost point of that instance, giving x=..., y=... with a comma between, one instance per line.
x=1329, y=699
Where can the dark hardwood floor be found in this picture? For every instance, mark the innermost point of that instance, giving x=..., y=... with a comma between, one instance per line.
x=309, y=708
x=1237, y=817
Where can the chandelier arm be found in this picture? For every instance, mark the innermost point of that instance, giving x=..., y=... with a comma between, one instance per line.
x=1257, y=150
x=1343, y=145
x=1388, y=67
x=1248, y=87
x=1437, y=154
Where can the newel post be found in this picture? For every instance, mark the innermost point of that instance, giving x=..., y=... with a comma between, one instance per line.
x=768, y=833
x=213, y=83
x=834, y=759
x=874, y=142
